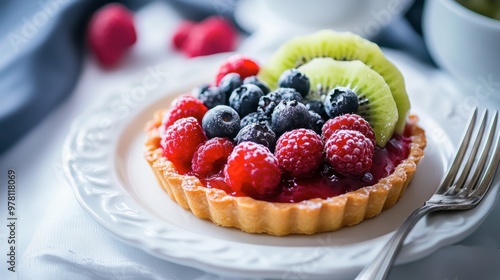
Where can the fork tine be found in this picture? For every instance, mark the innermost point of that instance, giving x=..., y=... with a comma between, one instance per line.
x=492, y=166
x=459, y=184
x=452, y=172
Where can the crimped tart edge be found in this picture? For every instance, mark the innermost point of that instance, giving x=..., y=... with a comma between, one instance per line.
x=274, y=218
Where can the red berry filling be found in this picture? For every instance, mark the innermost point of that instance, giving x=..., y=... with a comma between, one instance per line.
x=211, y=156
x=326, y=182
x=185, y=106
x=323, y=182
x=181, y=140
x=349, y=122
x=299, y=151
x=253, y=170
x=349, y=152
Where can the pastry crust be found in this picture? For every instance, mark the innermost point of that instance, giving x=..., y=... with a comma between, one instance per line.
x=306, y=217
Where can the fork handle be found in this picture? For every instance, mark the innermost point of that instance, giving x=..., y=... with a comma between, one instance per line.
x=379, y=267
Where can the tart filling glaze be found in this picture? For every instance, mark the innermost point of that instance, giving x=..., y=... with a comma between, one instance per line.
x=336, y=202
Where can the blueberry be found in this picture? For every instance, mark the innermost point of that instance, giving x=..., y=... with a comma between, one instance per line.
x=221, y=121
x=198, y=90
x=289, y=115
x=268, y=102
x=292, y=78
x=339, y=101
x=289, y=94
x=253, y=80
x=254, y=117
x=259, y=133
x=211, y=96
x=245, y=99
x=318, y=107
x=316, y=122
x=229, y=83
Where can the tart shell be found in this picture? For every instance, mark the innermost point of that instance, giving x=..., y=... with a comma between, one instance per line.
x=305, y=217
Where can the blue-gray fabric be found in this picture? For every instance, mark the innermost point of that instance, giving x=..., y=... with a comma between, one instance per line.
x=42, y=44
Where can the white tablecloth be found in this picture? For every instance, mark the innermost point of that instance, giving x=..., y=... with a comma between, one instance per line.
x=56, y=239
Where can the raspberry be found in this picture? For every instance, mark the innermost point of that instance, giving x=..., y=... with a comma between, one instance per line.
x=111, y=32
x=349, y=152
x=181, y=140
x=349, y=122
x=211, y=156
x=299, y=151
x=240, y=64
x=181, y=34
x=185, y=106
x=253, y=170
x=213, y=35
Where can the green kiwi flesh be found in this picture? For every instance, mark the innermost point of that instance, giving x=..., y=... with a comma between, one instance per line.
x=376, y=103
x=343, y=46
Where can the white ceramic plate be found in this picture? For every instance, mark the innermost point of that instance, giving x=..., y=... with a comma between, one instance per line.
x=104, y=164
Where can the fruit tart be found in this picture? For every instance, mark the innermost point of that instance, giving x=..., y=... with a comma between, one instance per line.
x=317, y=139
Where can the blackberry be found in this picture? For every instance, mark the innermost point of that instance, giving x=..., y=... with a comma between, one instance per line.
x=268, y=102
x=259, y=133
x=318, y=107
x=316, y=122
x=339, y=101
x=254, y=117
x=229, y=83
x=253, y=80
x=292, y=78
x=221, y=121
x=211, y=96
x=245, y=99
x=289, y=115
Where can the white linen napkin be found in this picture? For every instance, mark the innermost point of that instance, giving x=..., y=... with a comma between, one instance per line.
x=69, y=244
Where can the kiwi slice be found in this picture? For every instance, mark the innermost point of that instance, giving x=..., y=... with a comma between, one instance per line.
x=344, y=46
x=376, y=103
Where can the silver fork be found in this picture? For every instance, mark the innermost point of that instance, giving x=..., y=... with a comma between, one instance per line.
x=462, y=193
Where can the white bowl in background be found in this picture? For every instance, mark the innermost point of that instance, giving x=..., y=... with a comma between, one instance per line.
x=465, y=44
x=365, y=17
